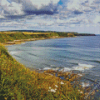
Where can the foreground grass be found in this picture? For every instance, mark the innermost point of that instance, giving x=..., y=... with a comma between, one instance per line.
x=20, y=83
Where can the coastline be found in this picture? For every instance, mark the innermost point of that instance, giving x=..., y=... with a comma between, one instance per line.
x=31, y=39
x=67, y=76
x=19, y=81
x=35, y=39
x=45, y=71
x=18, y=37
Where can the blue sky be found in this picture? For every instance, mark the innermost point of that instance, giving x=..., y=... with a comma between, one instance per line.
x=50, y=15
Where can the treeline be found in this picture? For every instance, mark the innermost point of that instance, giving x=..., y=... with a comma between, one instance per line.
x=75, y=33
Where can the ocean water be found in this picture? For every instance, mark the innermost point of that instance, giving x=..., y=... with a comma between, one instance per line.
x=79, y=54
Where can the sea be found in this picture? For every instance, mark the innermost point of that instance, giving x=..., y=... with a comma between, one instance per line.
x=78, y=54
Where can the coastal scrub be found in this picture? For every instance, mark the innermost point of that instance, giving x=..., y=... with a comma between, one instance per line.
x=20, y=83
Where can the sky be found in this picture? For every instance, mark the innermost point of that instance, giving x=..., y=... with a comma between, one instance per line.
x=81, y=16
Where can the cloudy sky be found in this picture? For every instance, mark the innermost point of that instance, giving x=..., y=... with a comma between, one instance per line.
x=50, y=15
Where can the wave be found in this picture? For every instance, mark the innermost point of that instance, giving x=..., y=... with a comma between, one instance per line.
x=66, y=69
x=85, y=84
x=97, y=61
x=32, y=54
x=48, y=68
x=13, y=52
x=45, y=64
x=18, y=56
x=80, y=67
x=54, y=60
x=24, y=59
x=83, y=67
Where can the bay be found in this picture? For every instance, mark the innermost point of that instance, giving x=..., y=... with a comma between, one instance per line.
x=78, y=54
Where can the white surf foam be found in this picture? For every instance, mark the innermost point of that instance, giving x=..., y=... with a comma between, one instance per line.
x=79, y=74
x=13, y=52
x=80, y=67
x=66, y=69
x=84, y=84
x=48, y=68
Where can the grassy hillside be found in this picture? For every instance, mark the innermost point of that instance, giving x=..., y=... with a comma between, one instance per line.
x=20, y=83
x=17, y=35
x=10, y=36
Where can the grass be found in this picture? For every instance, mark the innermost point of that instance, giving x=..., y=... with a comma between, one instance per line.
x=19, y=83
x=7, y=36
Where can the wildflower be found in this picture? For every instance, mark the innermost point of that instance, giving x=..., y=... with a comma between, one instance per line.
x=56, y=85
x=61, y=83
x=52, y=90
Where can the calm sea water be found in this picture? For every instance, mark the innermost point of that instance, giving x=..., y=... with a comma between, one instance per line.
x=81, y=54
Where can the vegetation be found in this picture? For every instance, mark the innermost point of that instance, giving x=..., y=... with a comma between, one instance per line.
x=20, y=83
x=11, y=36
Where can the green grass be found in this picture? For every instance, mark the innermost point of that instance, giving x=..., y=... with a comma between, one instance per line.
x=11, y=37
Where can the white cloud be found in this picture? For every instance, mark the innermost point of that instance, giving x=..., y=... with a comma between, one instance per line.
x=10, y=8
x=4, y=3
x=37, y=21
x=32, y=6
x=15, y=9
x=74, y=20
x=72, y=15
x=10, y=23
x=72, y=25
x=82, y=5
x=23, y=7
x=1, y=16
x=97, y=19
x=40, y=3
x=75, y=4
x=91, y=2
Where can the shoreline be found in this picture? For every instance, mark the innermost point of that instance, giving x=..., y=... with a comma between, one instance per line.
x=19, y=77
x=45, y=71
x=35, y=39
x=53, y=72
x=48, y=77
x=31, y=39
